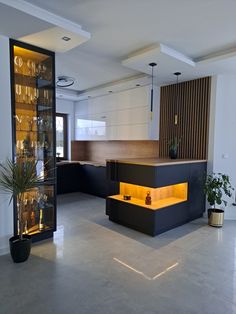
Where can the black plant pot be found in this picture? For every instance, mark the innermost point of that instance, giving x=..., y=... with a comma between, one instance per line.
x=173, y=153
x=20, y=249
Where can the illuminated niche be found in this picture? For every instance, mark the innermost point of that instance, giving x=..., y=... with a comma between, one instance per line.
x=161, y=197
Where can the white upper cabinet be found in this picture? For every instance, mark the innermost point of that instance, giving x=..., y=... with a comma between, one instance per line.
x=118, y=116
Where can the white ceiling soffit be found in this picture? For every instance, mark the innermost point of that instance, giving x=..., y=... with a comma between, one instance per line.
x=170, y=61
x=65, y=93
x=51, y=37
x=167, y=59
x=155, y=53
x=116, y=86
x=105, y=89
x=217, y=56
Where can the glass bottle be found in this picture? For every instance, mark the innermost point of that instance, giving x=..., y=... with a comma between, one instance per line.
x=148, y=200
x=26, y=227
x=41, y=224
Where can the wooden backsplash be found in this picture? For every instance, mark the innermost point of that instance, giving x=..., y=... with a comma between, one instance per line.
x=102, y=150
x=191, y=101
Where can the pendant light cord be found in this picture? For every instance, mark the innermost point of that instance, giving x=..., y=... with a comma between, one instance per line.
x=177, y=98
x=152, y=92
x=151, y=109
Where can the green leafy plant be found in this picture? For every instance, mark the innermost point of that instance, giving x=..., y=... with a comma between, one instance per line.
x=174, y=143
x=216, y=186
x=17, y=178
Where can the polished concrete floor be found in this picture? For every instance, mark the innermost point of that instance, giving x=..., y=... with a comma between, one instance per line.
x=96, y=266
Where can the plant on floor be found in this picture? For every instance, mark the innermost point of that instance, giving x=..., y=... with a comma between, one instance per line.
x=216, y=187
x=17, y=178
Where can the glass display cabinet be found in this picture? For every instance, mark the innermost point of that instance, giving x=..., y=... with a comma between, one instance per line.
x=33, y=125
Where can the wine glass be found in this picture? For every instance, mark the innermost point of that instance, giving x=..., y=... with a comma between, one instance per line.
x=29, y=120
x=18, y=92
x=46, y=96
x=19, y=120
x=34, y=124
x=18, y=150
x=18, y=64
x=38, y=70
x=31, y=67
x=44, y=70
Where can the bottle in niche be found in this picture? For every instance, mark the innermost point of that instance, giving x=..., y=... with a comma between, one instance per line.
x=41, y=224
x=32, y=218
x=148, y=200
x=32, y=213
x=25, y=216
x=26, y=227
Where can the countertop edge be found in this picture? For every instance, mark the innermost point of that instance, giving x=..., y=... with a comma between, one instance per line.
x=152, y=163
x=81, y=162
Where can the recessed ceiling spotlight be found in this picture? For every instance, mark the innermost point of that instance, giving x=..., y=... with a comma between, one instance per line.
x=66, y=38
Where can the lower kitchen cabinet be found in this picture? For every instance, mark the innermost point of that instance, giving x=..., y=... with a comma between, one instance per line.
x=90, y=179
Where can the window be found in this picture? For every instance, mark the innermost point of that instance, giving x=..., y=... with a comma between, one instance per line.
x=61, y=136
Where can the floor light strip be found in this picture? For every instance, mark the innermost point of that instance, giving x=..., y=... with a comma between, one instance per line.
x=165, y=271
x=131, y=268
x=141, y=273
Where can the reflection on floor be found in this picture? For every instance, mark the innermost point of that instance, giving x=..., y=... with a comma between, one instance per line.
x=96, y=266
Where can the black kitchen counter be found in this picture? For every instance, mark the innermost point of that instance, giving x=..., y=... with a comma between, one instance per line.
x=82, y=176
x=162, y=178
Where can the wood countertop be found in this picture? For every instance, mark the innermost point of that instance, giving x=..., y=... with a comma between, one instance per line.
x=155, y=162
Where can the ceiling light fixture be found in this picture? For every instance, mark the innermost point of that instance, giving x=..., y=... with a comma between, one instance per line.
x=152, y=64
x=65, y=81
x=177, y=74
x=66, y=38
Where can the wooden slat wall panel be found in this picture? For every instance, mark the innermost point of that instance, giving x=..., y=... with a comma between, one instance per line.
x=192, y=107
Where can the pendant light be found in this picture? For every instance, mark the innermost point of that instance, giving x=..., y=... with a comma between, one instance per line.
x=177, y=74
x=152, y=65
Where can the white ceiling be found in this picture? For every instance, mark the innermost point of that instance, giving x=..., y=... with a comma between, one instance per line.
x=118, y=28
x=15, y=24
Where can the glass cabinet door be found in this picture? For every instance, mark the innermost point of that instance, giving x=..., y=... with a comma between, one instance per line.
x=33, y=108
x=39, y=210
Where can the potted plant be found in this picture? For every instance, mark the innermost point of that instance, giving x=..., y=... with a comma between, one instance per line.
x=217, y=185
x=17, y=178
x=173, y=147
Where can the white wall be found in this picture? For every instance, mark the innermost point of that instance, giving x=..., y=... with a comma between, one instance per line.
x=123, y=115
x=67, y=107
x=222, y=144
x=6, y=210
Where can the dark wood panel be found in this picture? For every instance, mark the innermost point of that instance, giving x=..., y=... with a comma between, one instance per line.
x=190, y=101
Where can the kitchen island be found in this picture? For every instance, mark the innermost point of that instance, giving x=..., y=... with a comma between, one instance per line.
x=175, y=188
